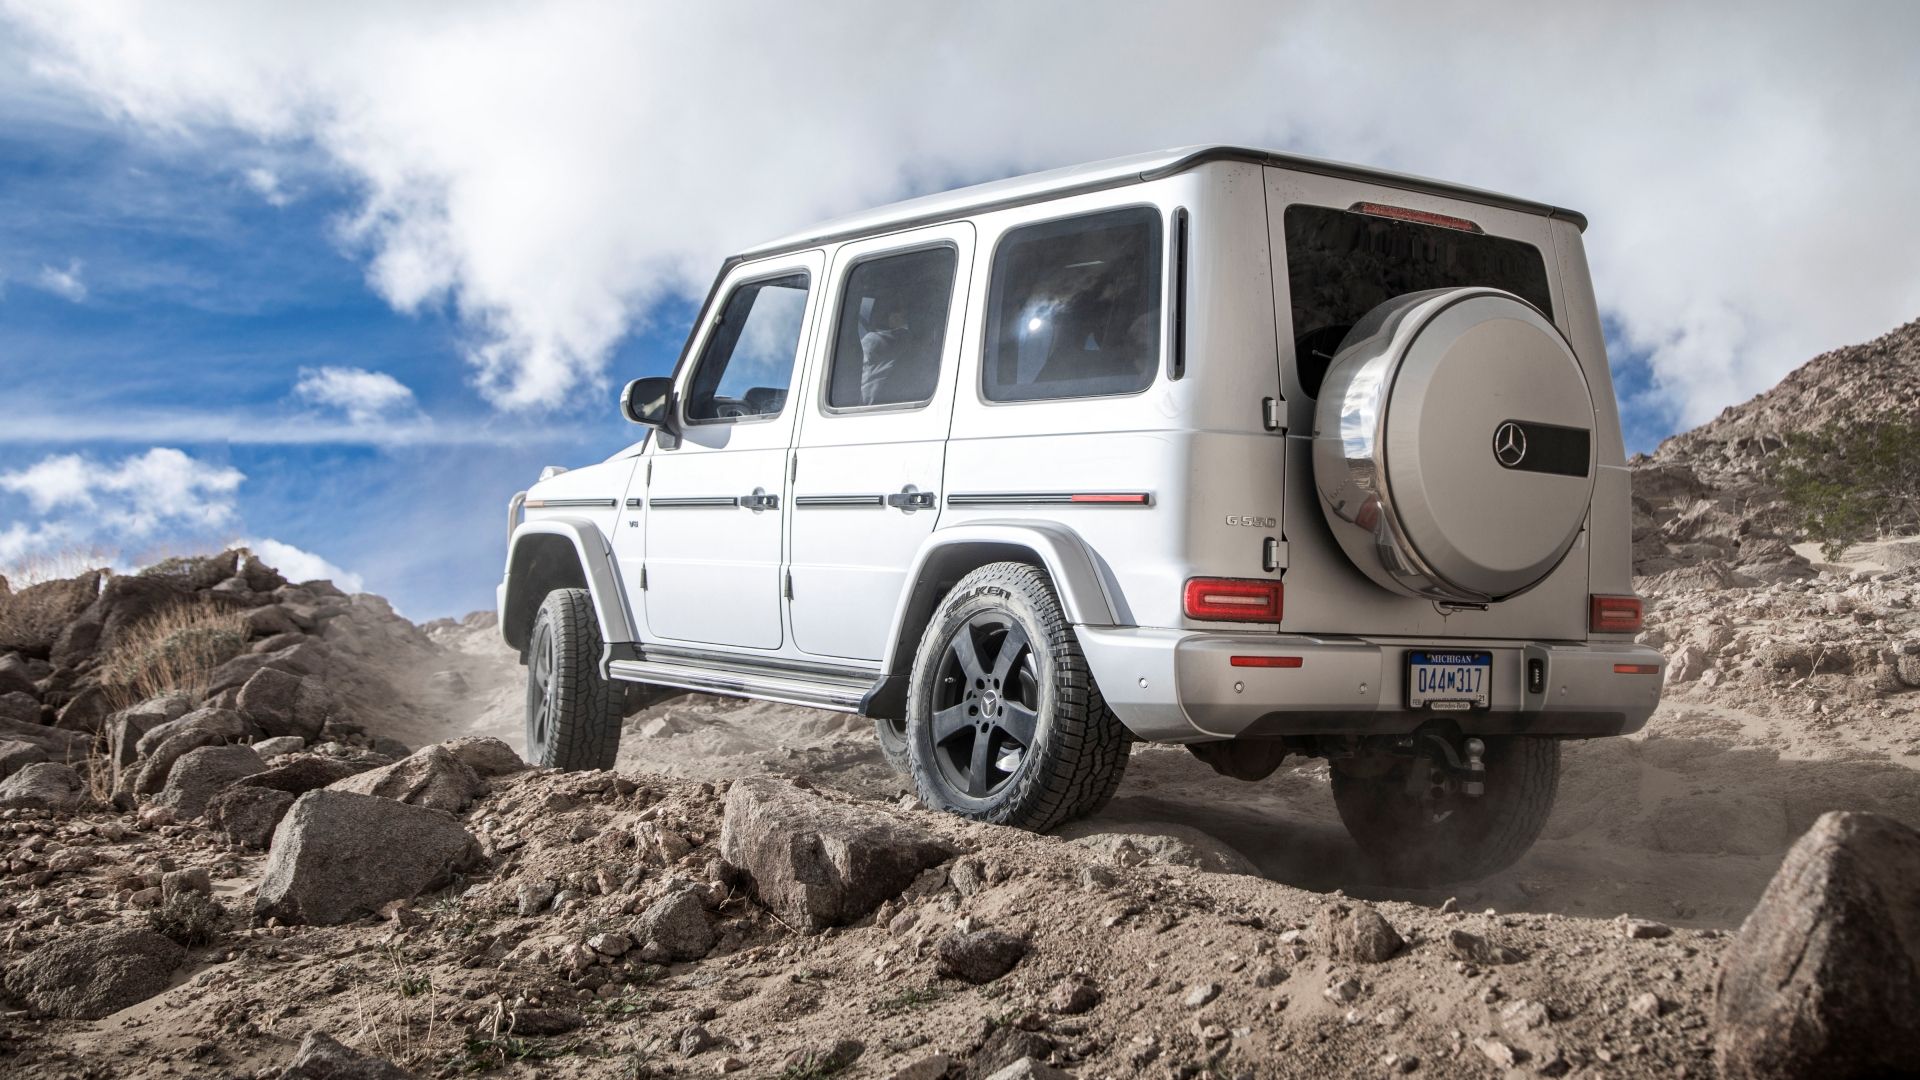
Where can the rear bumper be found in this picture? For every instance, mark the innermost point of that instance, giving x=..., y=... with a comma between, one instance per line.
x=1179, y=686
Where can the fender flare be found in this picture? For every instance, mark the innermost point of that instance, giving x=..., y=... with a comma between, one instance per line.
x=597, y=571
x=1084, y=588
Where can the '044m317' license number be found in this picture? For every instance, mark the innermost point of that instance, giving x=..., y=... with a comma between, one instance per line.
x=1457, y=679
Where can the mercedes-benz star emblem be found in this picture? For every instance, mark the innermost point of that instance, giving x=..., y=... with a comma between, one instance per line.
x=1509, y=444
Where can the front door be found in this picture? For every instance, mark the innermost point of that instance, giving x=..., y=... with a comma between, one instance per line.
x=869, y=460
x=715, y=500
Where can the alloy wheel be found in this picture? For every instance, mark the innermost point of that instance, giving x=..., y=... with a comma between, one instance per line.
x=986, y=705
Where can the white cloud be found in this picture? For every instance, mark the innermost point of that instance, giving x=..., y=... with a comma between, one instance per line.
x=552, y=171
x=266, y=184
x=298, y=565
x=66, y=283
x=129, y=499
x=363, y=395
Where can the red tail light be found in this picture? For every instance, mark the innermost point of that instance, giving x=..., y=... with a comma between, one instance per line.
x=1614, y=614
x=1265, y=661
x=1424, y=217
x=1636, y=669
x=1233, y=599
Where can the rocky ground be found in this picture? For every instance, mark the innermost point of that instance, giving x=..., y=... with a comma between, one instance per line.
x=251, y=872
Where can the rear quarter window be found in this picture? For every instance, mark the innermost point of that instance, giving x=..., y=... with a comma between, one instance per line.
x=1342, y=264
x=1074, y=309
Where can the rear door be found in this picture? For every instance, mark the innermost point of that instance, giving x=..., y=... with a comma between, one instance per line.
x=868, y=465
x=715, y=499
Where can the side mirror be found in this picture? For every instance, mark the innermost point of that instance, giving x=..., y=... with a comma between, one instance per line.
x=648, y=401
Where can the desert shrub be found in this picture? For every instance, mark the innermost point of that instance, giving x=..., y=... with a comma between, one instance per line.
x=176, y=649
x=188, y=917
x=1852, y=480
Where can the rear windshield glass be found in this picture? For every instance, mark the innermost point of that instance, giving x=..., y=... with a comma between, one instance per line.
x=1341, y=265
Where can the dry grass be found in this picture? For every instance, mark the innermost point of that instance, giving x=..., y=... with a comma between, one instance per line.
x=54, y=565
x=176, y=649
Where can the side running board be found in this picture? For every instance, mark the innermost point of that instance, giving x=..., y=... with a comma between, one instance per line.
x=837, y=689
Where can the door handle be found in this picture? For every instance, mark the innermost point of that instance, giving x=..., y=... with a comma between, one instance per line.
x=759, y=500
x=909, y=499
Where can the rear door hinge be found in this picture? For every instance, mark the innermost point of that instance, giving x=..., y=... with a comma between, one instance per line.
x=643, y=578
x=1270, y=414
x=1273, y=554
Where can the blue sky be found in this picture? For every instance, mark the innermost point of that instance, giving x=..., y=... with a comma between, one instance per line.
x=343, y=277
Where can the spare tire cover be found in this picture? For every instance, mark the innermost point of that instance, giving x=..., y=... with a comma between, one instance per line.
x=1453, y=445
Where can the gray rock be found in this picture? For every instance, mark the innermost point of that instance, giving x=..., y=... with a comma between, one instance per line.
x=172, y=741
x=87, y=974
x=32, y=618
x=675, y=927
x=1159, y=843
x=321, y=1057
x=87, y=710
x=280, y=703
x=1825, y=973
x=1475, y=949
x=1029, y=1069
x=16, y=676
x=301, y=773
x=818, y=863
x=16, y=755
x=19, y=708
x=390, y=746
x=980, y=956
x=248, y=815
x=1355, y=931
x=487, y=757
x=45, y=785
x=199, y=774
x=127, y=727
x=279, y=744
x=432, y=778
x=534, y=897
x=338, y=855
x=931, y=1067
x=59, y=744
x=269, y=621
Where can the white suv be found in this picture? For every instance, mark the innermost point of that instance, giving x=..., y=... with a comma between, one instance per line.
x=1255, y=453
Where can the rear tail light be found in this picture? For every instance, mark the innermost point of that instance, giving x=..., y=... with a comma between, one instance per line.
x=1614, y=614
x=1636, y=669
x=1233, y=599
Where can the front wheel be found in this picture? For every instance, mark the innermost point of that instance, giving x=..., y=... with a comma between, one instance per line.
x=1418, y=839
x=1004, y=722
x=573, y=712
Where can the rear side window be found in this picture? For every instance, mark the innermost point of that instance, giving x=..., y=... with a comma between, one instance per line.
x=1341, y=265
x=1075, y=308
x=893, y=325
x=747, y=364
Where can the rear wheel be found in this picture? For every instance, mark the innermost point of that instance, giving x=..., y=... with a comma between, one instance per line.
x=573, y=712
x=1004, y=723
x=1420, y=838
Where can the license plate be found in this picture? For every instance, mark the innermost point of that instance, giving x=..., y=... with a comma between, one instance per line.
x=1449, y=679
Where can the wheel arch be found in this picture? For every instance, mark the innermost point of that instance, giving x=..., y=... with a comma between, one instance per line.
x=560, y=553
x=951, y=554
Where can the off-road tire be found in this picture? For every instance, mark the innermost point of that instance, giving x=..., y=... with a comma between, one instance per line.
x=580, y=725
x=892, y=735
x=1481, y=836
x=1078, y=751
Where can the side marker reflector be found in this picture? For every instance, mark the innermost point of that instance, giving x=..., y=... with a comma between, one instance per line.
x=1266, y=661
x=1636, y=669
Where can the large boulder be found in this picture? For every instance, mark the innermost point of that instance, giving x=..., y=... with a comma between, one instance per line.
x=87, y=974
x=199, y=774
x=321, y=1057
x=488, y=757
x=47, y=785
x=124, y=603
x=249, y=815
x=338, y=855
x=16, y=675
x=1824, y=977
x=282, y=703
x=16, y=755
x=57, y=743
x=818, y=863
x=19, y=708
x=429, y=777
x=168, y=743
x=33, y=618
x=127, y=727
x=302, y=773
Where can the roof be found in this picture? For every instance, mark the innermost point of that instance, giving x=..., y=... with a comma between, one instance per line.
x=1118, y=172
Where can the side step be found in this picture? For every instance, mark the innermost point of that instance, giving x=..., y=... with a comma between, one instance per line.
x=840, y=690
